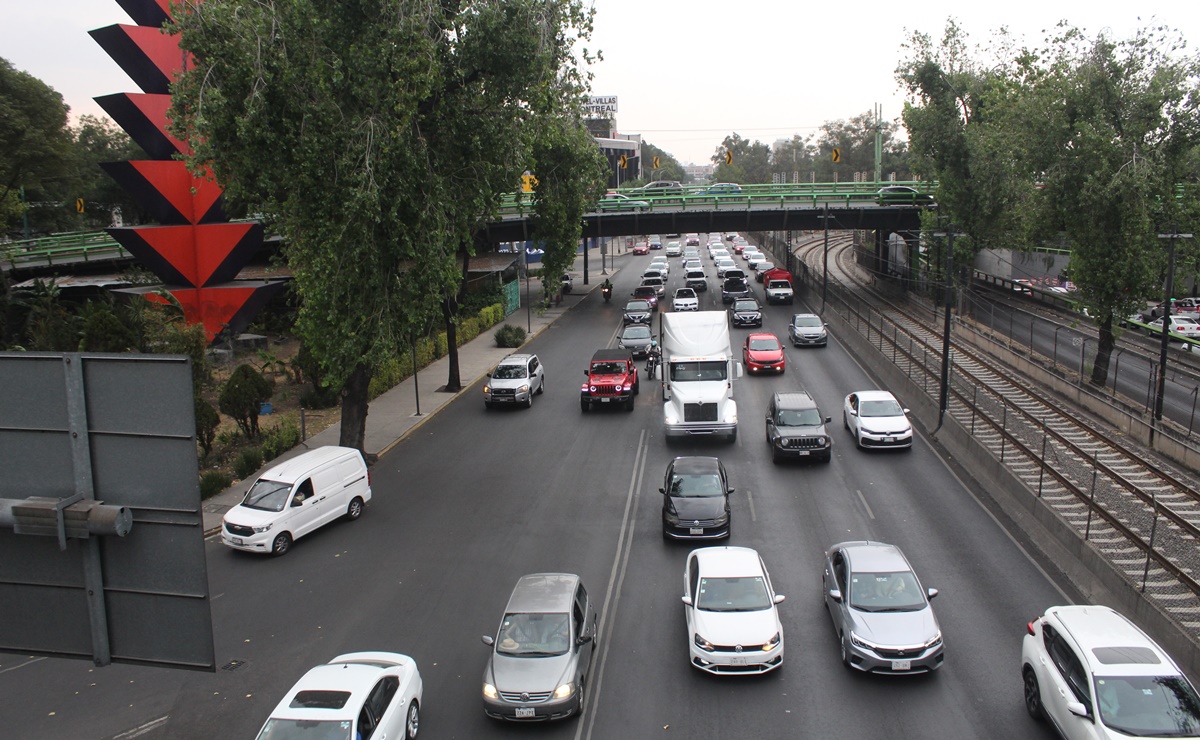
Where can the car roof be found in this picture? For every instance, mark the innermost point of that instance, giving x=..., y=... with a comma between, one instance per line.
x=696, y=464
x=794, y=400
x=875, y=396
x=602, y=355
x=1095, y=627
x=877, y=557
x=355, y=673
x=291, y=470
x=543, y=592
x=519, y=358
x=721, y=562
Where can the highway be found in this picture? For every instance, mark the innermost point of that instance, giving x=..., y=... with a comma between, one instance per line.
x=476, y=498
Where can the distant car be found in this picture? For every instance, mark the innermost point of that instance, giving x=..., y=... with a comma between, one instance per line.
x=691, y=240
x=749, y=254
x=637, y=311
x=1094, y=674
x=636, y=337
x=655, y=242
x=685, y=300
x=745, y=312
x=356, y=695
x=796, y=428
x=692, y=264
x=731, y=236
x=723, y=264
x=876, y=419
x=755, y=260
x=730, y=605
x=807, y=329
x=662, y=264
x=880, y=612
x=567, y=283
x=648, y=293
x=735, y=289
x=779, y=291
x=655, y=270
x=761, y=269
x=695, y=499
x=542, y=650
x=663, y=187
x=641, y=248
x=762, y=352
x=673, y=249
x=902, y=195
x=1183, y=326
x=696, y=280
x=515, y=380
x=659, y=285
x=721, y=188
x=619, y=202
x=739, y=248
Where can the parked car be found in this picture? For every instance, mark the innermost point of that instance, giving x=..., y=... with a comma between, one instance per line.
x=876, y=419
x=637, y=311
x=541, y=653
x=880, y=612
x=685, y=300
x=745, y=312
x=902, y=195
x=1094, y=674
x=695, y=499
x=612, y=380
x=796, y=428
x=762, y=353
x=734, y=289
x=619, y=202
x=515, y=379
x=648, y=293
x=567, y=283
x=808, y=329
x=296, y=497
x=731, y=612
x=636, y=338
x=356, y=695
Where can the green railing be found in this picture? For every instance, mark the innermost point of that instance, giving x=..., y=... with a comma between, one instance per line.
x=80, y=246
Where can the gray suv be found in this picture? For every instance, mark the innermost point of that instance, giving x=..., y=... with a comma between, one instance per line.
x=541, y=652
x=514, y=380
x=796, y=428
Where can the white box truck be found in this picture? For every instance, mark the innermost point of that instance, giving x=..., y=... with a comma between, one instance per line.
x=697, y=372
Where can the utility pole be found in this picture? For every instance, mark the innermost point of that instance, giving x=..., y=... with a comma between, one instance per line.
x=944, y=395
x=878, y=142
x=825, y=261
x=1162, y=355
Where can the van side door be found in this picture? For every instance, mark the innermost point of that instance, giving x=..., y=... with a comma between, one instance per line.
x=305, y=508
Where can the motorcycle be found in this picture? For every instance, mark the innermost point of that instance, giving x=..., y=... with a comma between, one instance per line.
x=653, y=360
x=606, y=291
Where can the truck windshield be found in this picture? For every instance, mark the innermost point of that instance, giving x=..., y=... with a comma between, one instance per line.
x=710, y=370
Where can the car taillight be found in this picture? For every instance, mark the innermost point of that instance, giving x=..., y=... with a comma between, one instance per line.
x=1031, y=628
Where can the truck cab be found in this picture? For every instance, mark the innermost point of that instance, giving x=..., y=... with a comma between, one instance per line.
x=698, y=369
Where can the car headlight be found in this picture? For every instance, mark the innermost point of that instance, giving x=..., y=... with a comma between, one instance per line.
x=627, y=387
x=263, y=528
x=864, y=430
x=592, y=389
x=934, y=642
x=489, y=691
x=562, y=692
x=523, y=389
x=731, y=418
x=487, y=389
x=859, y=642
x=670, y=419
x=773, y=642
x=702, y=643
x=723, y=519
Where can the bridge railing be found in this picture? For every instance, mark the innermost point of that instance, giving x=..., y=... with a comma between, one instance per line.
x=80, y=246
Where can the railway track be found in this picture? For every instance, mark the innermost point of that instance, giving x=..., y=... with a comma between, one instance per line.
x=1141, y=514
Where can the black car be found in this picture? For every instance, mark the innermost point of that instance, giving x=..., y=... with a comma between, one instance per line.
x=745, y=312
x=695, y=499
x=637, y=312
x=796, y=428
x=734, y=288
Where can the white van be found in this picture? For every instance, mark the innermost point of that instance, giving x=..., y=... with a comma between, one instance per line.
x=297, y=496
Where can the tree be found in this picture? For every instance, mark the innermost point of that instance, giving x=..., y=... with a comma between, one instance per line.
x=99, y=140
x=855, y=140
x=243, y=396
x=671, y=169
x=379, y=133
x=751, y=161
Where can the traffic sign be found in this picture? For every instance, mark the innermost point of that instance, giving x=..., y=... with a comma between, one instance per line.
x=528, y=183
x=624, y=162
x=728, y=157
x=657, y=163
x=837, y=155
x=79, y=205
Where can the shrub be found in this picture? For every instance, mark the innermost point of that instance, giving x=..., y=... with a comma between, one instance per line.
x=213, y=482
x=386, y=376
x=207, y=421
x=319, y=398
x=510, y=336
x=279, y=439
x=468, y=330
x=440, y=345
x=248, y=461
x=244, y=394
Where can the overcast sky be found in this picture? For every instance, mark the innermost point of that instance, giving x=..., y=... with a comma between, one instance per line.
x=686, y=73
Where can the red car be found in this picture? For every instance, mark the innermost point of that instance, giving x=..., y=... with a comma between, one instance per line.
x=641, y=248
x=647, y=293
x=762, y=353
x=739, y=248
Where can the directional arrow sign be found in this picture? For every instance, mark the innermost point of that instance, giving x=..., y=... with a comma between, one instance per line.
x=837, y=155
x=728, y=157
x=657, y=163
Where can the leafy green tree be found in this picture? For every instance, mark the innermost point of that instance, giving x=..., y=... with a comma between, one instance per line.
x=751, y=161
x=103, y=331
x=671, y=169
x=99, y=140
x=380, y=133
x=243, y=396
x=49, y=324
x=855, y=141
x=207, y=421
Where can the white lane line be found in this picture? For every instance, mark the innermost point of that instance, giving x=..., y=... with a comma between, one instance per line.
x=750, y=500
x=143, y=729
x=31, y=661
x=865, y=504
x=615, y=578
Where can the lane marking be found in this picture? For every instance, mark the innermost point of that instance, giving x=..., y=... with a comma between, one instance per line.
x=865, y=504
x=616, y=578
x=29, y=662
x=750, y=500
x=143, y=729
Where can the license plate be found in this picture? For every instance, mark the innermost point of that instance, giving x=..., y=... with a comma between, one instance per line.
x=739, y=660
x=696, y=530
x=901, y=665
x=605, y=400
x=802, y=452
x=236, y=540
x=524, y=712
x=887, y=439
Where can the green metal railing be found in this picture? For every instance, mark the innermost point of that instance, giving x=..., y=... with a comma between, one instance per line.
x=79, y=246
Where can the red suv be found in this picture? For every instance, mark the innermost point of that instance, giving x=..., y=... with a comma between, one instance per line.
x=612, y=379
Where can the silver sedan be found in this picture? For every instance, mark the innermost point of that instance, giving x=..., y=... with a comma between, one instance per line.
x=882, y=616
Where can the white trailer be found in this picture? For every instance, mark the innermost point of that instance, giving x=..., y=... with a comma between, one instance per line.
x=698, y=369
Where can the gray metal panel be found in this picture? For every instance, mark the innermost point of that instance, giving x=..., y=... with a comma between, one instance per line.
x=139, y=440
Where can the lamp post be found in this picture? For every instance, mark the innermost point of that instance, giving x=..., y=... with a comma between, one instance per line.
x=1162, y=355
x=944, y=392
x=825, y=261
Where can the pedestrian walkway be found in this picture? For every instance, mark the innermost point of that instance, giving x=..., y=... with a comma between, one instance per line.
x=393, y=415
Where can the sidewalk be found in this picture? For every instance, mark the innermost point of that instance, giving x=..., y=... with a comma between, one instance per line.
x=391, y=416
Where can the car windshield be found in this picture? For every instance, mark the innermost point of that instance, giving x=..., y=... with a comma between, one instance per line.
x=685, y=293
x=636, y=332
x=745, y=306
x=267, y=495
x=702, y=485
x=764, y=345
x=1148, y=706
x=806, y=321
x=798, y=417
x=710, y=370
x=637, y=306
x=738, y=594
x=886, y=592
x=608, y=368
x=509, y=372
x=652, y=282
x=306, y=729
x=886, y=407
x=533, y=635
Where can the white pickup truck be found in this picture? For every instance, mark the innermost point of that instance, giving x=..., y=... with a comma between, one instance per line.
x=779, y=291
x=697, y=372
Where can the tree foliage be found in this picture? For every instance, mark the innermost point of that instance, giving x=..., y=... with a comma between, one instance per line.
x=243, y=396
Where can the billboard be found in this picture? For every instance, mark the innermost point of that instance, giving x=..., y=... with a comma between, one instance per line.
x=600, y=106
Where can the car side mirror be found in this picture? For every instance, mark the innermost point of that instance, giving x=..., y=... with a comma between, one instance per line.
x=828, y=419
x=585, y=372
x=779, y=598
x=1078, y=709
x=836, y=595
x=687, y=600
x=489, y=373
x=730, y=491
x=663, y=491
x=487, y=640
x=583, y=639
x=906, y=411
x=932, y=592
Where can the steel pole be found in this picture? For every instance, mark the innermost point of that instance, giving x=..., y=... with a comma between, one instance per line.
x=944, y=400
x=1162, y=355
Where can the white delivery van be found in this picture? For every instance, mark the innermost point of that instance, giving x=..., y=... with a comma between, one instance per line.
x=297, y=496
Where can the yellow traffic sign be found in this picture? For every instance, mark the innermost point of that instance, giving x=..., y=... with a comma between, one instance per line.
x=728, y=157
x=79, y=205
x=528, y=183
x=657, y=163
x=837, y=155
x=624, y=162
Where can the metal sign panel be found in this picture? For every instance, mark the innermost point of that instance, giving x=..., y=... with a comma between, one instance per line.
x=120, y=429
x=600, y=106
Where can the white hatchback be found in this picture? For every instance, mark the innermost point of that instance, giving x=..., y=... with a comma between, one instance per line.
x=876, y=419
x=730, y=607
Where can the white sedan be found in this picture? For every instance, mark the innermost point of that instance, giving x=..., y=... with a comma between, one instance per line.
x=876, y=419
x=685, y=300
x=356, y=695
x=730, y=606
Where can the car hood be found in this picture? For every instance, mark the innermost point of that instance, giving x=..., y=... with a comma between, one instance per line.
x=895, y=628
x=747, y=312
x=765, y=355
x=737, y=628
x=885, y=424
x=697, y=507
x=808, y=331
x=805, y=431
x=607, y=379
x=248, y=517
x=507, y=382
x=531, y=675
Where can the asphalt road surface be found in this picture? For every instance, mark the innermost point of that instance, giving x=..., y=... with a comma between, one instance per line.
x=474, y=499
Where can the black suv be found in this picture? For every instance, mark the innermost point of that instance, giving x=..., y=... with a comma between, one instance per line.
x=734, y=288
x=745, y=312
x=796, y=428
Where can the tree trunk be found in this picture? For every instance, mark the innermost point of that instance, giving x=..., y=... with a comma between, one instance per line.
x=450, y=306
x=1104, y=350
x=354, y=409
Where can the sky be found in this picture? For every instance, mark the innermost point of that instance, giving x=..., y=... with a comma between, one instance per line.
x=686, y=73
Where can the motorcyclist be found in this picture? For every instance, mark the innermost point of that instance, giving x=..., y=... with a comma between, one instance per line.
x=606, y=289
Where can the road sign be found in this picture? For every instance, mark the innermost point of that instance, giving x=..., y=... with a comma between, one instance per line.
x=837, y=155
x=528, y=183
x=657, y=163
x=728, y=157
x=79, y=205
x=624, y=162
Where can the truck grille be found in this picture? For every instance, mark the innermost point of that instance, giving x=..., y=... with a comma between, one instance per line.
x=700, y=412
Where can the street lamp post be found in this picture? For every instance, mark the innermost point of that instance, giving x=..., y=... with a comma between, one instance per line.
x=1162, y=355
x=944, y=391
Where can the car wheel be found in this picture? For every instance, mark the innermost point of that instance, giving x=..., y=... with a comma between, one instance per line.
x=355, y=509
x=775, y=458
x=629, y=404
x=584, y=405
x=542, y=387
x=828, y=457
x=582, y=696
x=845, y=422
x=529, y=401
x=1033, y=695
x=282, y=543
x=412, y=723
x=733, y=435
x=845, y=652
